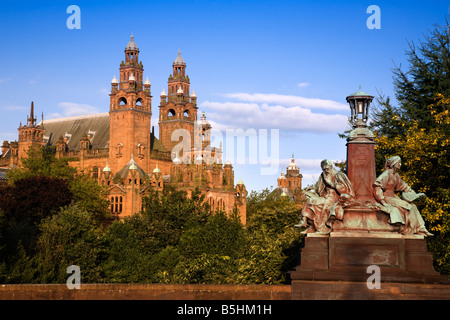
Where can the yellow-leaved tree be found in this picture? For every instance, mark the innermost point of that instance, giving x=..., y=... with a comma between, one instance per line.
x=425, y=167
x=417, y=129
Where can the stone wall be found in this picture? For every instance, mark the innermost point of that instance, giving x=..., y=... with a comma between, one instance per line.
x=301, y=290
x=145, y=292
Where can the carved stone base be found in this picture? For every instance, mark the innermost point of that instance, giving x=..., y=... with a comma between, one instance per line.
x=362, y=218
x=345, y=256
x=346, y=290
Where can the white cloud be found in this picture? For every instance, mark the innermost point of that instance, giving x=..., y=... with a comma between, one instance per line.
x=54, y=115
x=71, y=109
x=289, y=100
x=253, y=115
x=303, y=84
x=276, y=111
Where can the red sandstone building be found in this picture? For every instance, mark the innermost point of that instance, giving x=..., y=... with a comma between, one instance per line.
x=289, y=184
x=119, y=148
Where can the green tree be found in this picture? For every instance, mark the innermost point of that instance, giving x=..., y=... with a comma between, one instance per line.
x=270, y=210
x=42, y=162
x=37, y=197
x=90, y=196
x=417, y=130
x=176, y=209
x=210, y=251
x=28, y=202
x=85, y=191
x=273, y=243
x=220, y=236
x=69, y=238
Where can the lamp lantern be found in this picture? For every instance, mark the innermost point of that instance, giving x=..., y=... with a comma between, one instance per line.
x=359, y=105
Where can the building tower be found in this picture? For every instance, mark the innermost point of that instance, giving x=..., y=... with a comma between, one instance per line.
x=241, y=200
x=130, y=113
x=290, y=184
x=293, y=175
x=178, y=110
x=30, y=135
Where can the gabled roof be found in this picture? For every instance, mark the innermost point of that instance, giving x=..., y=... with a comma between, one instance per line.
x=74, y=128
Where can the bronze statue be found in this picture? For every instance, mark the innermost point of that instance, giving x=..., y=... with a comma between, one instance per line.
x=333, y=192
x=401, y=211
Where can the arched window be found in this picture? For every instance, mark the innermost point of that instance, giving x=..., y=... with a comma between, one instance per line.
x=171, y=113
x=186, y=113
x=141, y=148
x=122, y=101
x=139, y=102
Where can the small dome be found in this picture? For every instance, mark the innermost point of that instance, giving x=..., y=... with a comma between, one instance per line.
x=163, y=93
x=133, y=166
x=106, y=169
x=203, y=119
x=147, y=82
x=176, y=160
x=180, y=90
x=293, y=165
x=156, y=170
x=240, y=181
x=360, y=93
x=193, y=95
x=179, y=60
x=131, y=45
x=114, y=80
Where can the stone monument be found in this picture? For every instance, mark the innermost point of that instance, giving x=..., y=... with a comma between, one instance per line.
x=356, y=223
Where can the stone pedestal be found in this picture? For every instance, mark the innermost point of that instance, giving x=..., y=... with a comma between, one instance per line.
x=369, y=220
x=345, y=256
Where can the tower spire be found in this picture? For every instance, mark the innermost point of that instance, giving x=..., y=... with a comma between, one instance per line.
x=31, y=120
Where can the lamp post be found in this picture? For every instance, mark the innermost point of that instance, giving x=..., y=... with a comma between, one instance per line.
x=361, y=148
x=359, y=105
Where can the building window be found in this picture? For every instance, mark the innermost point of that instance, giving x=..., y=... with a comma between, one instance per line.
x=141, y=148
x=95, y=172
x=116, y=204
x=122, y=101
x=119, y=147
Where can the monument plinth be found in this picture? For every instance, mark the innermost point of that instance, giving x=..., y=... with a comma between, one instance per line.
x=357, y=223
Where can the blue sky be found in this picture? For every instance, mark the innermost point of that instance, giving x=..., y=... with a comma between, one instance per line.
x=284, y=65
